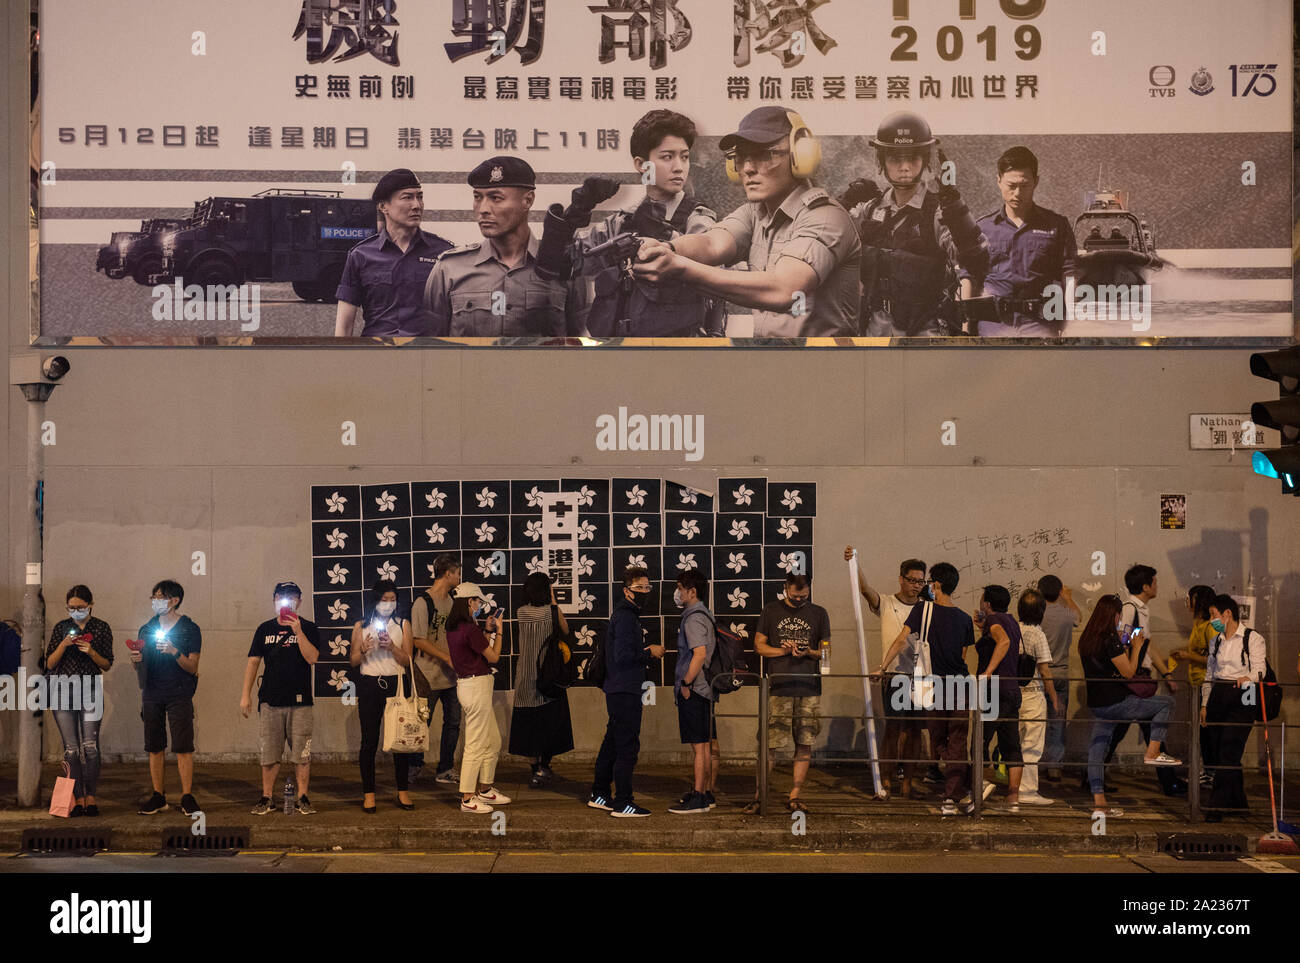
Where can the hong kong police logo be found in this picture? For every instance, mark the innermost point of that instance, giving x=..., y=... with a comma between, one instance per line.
x=497, y=174
x=1202, y=82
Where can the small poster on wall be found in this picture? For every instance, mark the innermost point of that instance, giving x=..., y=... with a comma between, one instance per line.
x=1173, y=511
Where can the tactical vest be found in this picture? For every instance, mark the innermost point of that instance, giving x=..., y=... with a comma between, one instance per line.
x=904, y=271
x=626, y=307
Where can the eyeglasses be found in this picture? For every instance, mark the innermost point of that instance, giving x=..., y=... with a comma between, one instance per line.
x=761, y=156
x=78, y=608
x=913, y=581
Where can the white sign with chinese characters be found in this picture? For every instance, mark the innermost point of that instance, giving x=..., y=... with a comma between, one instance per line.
x=560, y=546
x=1224, y=431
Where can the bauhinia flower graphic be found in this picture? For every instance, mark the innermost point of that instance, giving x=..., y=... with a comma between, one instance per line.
x=339, y=645
x=586, y=496
x=485, y=532
x=535, y=565
x=743, y=495
x=487, y=498
x=338, y=610
x=533, y=497
x=533, y=529
x=736, y=561
x=387, y=537
x=690, y=528
x=636, y=528
x=387, y=571
x=686, y=560
x=791, y=499
x=739, y=528
x=737, y=597
x=738, y=629
x=491, y=600
x=636, y=561
x=338, y=678
x=690, y=496
x=636, y=496
x=338, y=574
x=585, y=601
x=436, y=534
x=336, y=538
x=484, y=566
x=586, y=532
x=790, y=562
x=788, y=527
x=585, y=565
x=436, y=498
x=336, y=502
x=385, y=501
x=585, y=636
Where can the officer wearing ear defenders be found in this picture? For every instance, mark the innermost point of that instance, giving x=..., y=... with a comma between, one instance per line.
x=914, y=237
x=801, y=246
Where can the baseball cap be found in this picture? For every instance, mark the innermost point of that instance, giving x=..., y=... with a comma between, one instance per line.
x=763, y=125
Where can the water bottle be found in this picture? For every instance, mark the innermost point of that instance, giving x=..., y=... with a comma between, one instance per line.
x=825, y=661
x=288, y=796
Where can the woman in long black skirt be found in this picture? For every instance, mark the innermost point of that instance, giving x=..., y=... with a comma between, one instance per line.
x=539, y=727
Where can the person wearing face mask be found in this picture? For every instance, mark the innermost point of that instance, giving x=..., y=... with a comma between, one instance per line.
x=80, y=645
x=627, y=657
x=1196, y=655
x=381, y=649
x=288, y=646
x=168, y=666
x=473, y=653
x=695, y=644
x=790, y=635
x=1230, y=702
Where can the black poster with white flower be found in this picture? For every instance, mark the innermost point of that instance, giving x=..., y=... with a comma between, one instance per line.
x=745, y=539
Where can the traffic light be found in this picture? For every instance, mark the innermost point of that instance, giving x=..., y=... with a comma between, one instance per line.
x=1284, y=415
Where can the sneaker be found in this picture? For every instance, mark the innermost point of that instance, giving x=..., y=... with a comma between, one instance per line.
x=536, y=780
x=493, y=797
x=448, y=777
x=77, y=812
x=949, y=808
x=697, y=803
x=900, y=774
x=708, y=798
x=475, y=805
x=600, y=802
x=933, y=775
x=1034, y=799
x=1164, y=759
x=1206, y=780
x=156, y=804
x=630, y=811
x=989, y=790
x=413, y=773
x=189, y=805
x=1013, y=807
x=304, y=806
x=968, y=806
x=92, y=811
x=263, y=807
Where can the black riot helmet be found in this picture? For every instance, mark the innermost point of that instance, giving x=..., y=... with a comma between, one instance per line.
x=904, y=132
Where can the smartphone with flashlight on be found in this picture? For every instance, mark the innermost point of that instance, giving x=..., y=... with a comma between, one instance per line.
x=286, y=609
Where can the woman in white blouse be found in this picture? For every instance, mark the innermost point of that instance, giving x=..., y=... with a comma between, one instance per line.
x=381, y=649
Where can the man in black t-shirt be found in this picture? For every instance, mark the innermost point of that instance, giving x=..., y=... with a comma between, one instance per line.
x=288, y=646
x=790, y=635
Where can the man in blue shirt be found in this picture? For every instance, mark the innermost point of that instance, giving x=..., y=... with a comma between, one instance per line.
x=626, y=660
x=695, y=645
x=385, y=274
x=1029, y=248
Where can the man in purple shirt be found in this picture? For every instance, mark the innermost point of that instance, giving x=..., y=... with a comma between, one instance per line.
x=1030, y=248
x=385, y=274
x=998, y=649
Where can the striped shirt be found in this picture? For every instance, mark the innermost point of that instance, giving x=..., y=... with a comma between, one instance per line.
x=532, y=626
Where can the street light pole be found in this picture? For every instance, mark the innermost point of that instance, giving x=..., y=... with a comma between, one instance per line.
x=30, y=722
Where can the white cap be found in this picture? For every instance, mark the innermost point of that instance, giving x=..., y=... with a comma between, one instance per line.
x=467, y=590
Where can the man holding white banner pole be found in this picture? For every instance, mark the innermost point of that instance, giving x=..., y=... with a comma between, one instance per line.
x=881, y=792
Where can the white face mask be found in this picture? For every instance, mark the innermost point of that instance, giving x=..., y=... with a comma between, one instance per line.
x=385, y=609
x=678, y=600
x=80, y=615
x=160, y=606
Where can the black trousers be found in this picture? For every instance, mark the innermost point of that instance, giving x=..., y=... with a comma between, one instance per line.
x=371, y=698
x=620, y=747
x=1229, y=723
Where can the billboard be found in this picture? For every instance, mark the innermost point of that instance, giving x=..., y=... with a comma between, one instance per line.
x=958, y=171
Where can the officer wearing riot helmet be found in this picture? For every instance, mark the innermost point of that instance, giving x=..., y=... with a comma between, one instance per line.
x=915, y=237
x=492, y=288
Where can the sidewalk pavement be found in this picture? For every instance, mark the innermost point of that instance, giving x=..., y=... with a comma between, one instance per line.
x=842, y=815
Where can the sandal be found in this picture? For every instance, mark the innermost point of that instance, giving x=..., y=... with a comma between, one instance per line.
x=795, y=805
x=751, y=808
x=1113, y=811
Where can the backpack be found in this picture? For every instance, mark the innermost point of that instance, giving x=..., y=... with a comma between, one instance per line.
x=11, y=650
x=725, y=671
x=1271, y=690
x=556, y=667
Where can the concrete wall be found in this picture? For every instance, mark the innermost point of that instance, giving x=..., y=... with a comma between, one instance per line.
x=164, y=452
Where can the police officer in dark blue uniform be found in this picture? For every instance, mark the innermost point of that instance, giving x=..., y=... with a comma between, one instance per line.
x=1031, y=249
x=385, y=274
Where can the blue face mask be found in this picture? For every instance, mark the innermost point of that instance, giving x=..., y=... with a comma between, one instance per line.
x=1217, y=625
x=79, y=615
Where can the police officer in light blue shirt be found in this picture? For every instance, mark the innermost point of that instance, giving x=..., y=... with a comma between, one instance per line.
x=1030, y=248
x=385, y=274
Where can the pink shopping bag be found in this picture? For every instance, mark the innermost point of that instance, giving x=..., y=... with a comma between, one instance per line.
x=62, y=801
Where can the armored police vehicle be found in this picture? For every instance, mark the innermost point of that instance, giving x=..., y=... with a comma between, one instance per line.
x=137, y=253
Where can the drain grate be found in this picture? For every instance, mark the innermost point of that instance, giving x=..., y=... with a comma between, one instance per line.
x=217, y=841
x=64, y=842
x=1207, y=846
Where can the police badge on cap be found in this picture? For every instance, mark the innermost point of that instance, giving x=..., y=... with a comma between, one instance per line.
x=503, y=172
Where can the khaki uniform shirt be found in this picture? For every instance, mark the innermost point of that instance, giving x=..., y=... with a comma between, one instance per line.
x=462, y=300
x=812, y=227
